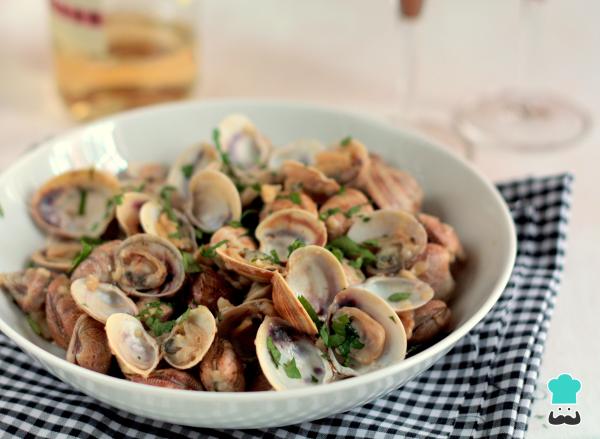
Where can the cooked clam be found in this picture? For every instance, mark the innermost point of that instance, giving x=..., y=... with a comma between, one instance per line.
x=146, y=265
x=168, y=378
x=342, y=210
x=401, y=293
x=136, y=351
x=430, y=321
x=75, y=204
x=347, y=162
x=57, y=255
x=290, y=359
x=444, y=235
x=101, y=300
x=278, y=231
x=27, y=288
x=397, y=235
x=172, y=226
x=193, y=159
x=221, y=370
x=302, y=151
x=251, y=264
x=246, y=147
x=310, y=179
x=207, y=287
x=190, y=338
x=61, y=311
x=88, y=346
x=316, y=275
x=369, y=334
x=235, y=237
x=433, y=267
x=128, y=212
x=214, y=200
x=289, y=200
x=100, y=263
x=391, y=188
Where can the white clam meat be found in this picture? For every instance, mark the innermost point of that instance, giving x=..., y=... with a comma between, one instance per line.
x=401, y=293
x=101, y=300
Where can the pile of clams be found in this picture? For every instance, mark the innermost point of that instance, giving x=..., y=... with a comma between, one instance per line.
x=241, y=267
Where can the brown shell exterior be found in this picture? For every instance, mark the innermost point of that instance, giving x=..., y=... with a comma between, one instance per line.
x=100, y=263
x=282, y=202
x=221, y=370
x=289, y=308
x=62, y=312
x=168, y=378
x=89, y=346
x=234, y=262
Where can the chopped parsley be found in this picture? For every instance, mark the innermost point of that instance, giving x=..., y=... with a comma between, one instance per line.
x=344, y=338
x=311, y=311
x=235, y=224
x=336, y=252
x=190, y=264
x=393, y=319
x=175, y=235
x=353, y=210
x=313, y=379
x=35, y=326
x=225, y=158
x=342, y=190
x=365, y=219
x=151, y=316
x=87, y=246
x=199, y=234
x=357, y=263
x=273, y=256
x=210, y=251
x=346, y=141
x=275, y=354
x=187, y=171
x=353, y=250
x=167, y=202
x=291, y=370
x=298, y=243
x=398, y=297
x=371, y=243
x=324, y=216
x=294, y=197
x=83, y=193
x=255, y=187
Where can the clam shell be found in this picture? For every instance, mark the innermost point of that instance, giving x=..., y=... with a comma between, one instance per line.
x=199, y=156
x=339, y=223
x=148, y=266
x=128, y=212
x=234, y=260
x=190, y=338
x=309, y=359
x=310, y=179
x=136, y=351
x=418, y=292
x=101, y=300
x=74, y=204
x=155, y=222
x=246, y=147
x=57, y=255
x=394, y=349
x=302, y=151
x=280, y=229
x=345, y=163
x=314, y=273
x=213, y=200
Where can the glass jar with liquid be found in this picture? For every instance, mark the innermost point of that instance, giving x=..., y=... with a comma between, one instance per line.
x=110, y=55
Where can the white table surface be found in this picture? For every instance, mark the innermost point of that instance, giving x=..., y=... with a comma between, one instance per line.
x=347, y=53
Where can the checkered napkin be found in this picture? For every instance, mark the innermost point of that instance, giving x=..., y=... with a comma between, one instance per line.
x=482, y=388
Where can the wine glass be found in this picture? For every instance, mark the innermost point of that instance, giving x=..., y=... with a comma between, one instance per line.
x=523, y=117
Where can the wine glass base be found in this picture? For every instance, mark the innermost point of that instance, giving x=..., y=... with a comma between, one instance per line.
x=528, y=121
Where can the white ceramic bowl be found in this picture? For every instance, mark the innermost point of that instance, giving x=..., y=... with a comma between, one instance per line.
x=453, y=190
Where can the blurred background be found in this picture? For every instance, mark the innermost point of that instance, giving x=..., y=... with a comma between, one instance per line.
x=363, y=56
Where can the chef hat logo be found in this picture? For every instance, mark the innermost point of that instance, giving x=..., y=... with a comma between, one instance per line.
x=564, y=389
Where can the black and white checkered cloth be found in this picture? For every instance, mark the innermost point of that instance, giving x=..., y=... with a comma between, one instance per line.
x=482, y=388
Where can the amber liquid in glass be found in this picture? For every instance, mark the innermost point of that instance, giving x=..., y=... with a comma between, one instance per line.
x=145, y=61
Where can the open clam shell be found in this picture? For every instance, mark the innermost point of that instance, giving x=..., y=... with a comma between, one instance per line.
x=346, y=163
x=75, y=204
x=401, y=293
x=400, y=238
x=193, y=159
x=128, y=212
x=100, y=263
x=177, y=230
x=375, y=325
x=289, y=359
x=213, y=200
x=57, y=255
x=342, y=210
x=248, y=263
x=313, y=273
x=136, y=351
x=245, y=145
x=280, y=229
x=148, y=266
x=301, y=150
x=190, y=338
x=101, y=300
x=310, y=179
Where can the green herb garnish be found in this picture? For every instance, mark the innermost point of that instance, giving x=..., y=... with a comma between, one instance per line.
x=336, y=252
x=210, y=252
x=187, y=171
x=357, y=263
x=398, y=297
x=167, y=203
x=353, y=210
x=344, y=337
x=311, y=311
x=199, y=234
x=346, y=141
x=174, y=235
x=324, y=216
x=235, y=224
x=150, y=316
x=190, y=264
x=313, y=379
x=294, y=197
x=275, y=354
x=298, y=243
x=87, y=246
x=273, y=256
x=35, y=326
x=393, y=319
x=342, y=190
x=291, y=370
x=82, y=201
x=353, y=250
x=255, y=187
x=371, y=243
